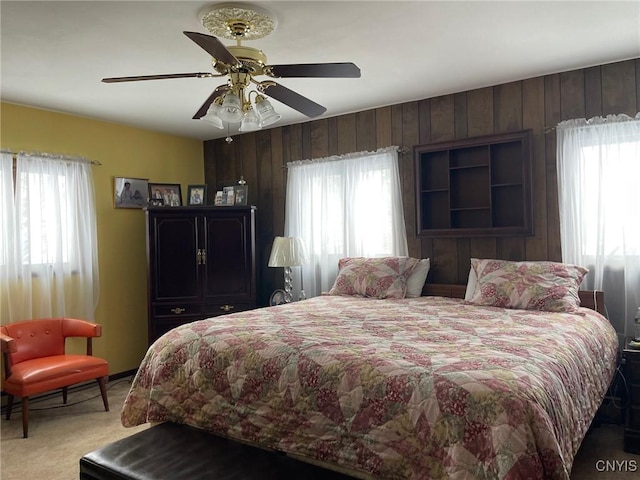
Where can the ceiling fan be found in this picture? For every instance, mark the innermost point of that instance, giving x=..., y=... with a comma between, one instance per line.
x=231, y=102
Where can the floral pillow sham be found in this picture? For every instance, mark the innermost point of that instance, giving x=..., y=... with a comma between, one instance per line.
x=548, y=286
x=384, y=277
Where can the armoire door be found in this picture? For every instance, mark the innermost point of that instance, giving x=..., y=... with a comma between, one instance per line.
x=229, y=262
x=175, y=258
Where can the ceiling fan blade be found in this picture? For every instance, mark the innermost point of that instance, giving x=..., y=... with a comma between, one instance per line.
x=202, y=111
x=156, y=77
x=214, y=47
x=293, y=99
x=320, y=70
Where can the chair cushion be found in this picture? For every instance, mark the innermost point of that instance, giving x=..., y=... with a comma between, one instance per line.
x=48, y=373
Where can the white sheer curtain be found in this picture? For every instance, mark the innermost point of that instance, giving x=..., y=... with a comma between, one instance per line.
x=598, y=182
x=7, y=229
x=349, y=205
x=51, y=260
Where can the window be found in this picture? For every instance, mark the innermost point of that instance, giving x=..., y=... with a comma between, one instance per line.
x=598, y=179
x=345, y=206
x=48, y=240
x=603, y=195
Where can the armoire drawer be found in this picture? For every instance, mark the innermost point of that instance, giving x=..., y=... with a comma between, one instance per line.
x=213, y=310
x=176, y=310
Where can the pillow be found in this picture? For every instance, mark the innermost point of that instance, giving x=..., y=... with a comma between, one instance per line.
x=471, y=284
x=548, y=286
x=384, y=277
x=416, y=280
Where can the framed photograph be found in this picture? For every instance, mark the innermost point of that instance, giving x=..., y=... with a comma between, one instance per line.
x=240, y=194
x=169, y=193
x=228, y=196
x=277, y=297
x=196, y=195
x=130, y=192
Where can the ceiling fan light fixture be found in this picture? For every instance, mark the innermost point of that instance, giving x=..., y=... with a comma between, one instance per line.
x=212, y=116
x=266, y=112
x=231, y=109
x=249, y=122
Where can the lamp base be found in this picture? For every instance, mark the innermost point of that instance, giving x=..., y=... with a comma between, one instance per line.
x=288, y=285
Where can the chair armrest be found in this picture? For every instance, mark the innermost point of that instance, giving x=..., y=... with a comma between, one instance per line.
x=7, y=344
x=73, y=327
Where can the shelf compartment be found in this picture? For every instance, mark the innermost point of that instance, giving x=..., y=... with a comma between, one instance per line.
x=507, y=206
x=467, y=190
x=471, y=218
x=436, y=215
x=434, y=170
x=469, y=157
x=506, y=163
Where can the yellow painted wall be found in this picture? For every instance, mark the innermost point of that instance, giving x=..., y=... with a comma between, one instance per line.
x=125, y=152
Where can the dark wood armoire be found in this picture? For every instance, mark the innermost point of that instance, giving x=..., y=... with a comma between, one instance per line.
x=200, y=263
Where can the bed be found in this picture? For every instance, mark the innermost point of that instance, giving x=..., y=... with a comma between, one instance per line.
x=394, y=388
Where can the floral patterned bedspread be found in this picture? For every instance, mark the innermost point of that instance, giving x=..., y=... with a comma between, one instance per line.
x=427, y=387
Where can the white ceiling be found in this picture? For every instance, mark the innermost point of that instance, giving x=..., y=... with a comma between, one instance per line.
x=54, y=54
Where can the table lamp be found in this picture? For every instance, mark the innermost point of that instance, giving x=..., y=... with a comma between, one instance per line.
x=288, y=252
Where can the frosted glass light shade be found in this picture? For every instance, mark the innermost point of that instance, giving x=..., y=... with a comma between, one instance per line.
x=212, y=116
x=288, y=252
x=231, y=109
x=266, y=112
x=249, y=122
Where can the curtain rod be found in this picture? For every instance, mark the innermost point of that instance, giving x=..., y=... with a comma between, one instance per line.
x=400, y=150
x=52, y=156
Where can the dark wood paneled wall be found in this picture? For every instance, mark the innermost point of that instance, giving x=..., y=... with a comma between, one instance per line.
x=537, y=104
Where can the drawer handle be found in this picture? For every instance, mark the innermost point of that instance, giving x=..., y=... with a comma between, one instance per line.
x=227, y=308
x=177, y=310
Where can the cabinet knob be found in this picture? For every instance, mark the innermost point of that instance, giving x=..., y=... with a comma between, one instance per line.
x=226, y=308
x=177, y=310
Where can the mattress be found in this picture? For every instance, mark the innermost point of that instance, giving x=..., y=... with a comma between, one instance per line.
x=427, y=387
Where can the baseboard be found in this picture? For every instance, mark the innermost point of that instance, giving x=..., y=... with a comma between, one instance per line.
x=72, y=388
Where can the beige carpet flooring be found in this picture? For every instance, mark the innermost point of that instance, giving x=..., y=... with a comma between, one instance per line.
x=59, y=437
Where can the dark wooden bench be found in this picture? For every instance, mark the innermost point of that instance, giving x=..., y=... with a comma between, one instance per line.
x=178, y=452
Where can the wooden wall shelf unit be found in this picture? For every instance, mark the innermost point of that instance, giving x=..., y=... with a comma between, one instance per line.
x=475, y=187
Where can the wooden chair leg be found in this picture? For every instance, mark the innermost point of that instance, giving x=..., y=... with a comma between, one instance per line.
x=102, y=382
x=25, y=417
x=9, y=406
x=64, y=395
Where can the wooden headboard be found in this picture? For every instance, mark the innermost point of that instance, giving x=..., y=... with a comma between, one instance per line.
x=593, y=299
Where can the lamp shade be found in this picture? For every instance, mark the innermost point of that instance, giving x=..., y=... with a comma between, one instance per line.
x=266, y=113
x=249, y=122
x=288, y=252
x=231, y=109
x=212, y=116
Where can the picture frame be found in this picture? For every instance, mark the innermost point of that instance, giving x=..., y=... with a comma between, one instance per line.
x=196, y=195
x=228, y=196
x=240, y=194
x=129, y=192
x=169, y=193
x=277, y=297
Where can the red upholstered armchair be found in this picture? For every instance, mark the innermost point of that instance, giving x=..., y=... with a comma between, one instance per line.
x=35, y=360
